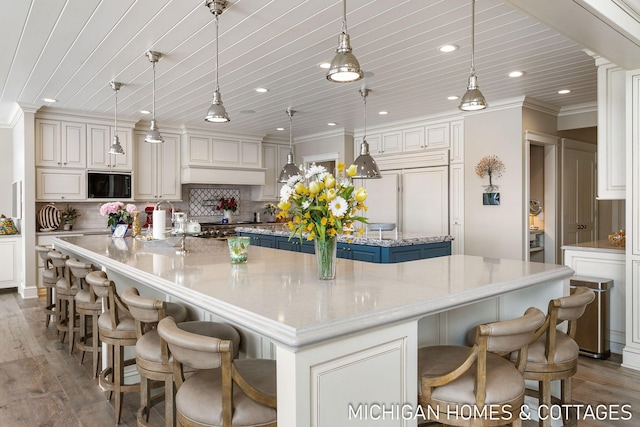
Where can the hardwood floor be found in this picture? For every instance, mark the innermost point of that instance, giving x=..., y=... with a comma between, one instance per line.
x=42, y=385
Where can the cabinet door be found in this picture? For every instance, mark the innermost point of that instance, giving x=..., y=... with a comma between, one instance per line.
x=375, y=144
x=61, y=184
x=98, y=156
x=251, y=154
x=122, y=162
x=74, y=145
x=425, y=201
x=168, y=171
x=437, y=136
x=413, y=139
x=392, y=142
x=9, y=273
x=198, y=151
x=48, y=148
x=383, y=197
x=146, y=167
x=226, y=152
x=456, y=155
x=456, y=191
x=579, y=192
x=365, y=253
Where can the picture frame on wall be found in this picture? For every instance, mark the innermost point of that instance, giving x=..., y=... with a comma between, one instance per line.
x=491, y=199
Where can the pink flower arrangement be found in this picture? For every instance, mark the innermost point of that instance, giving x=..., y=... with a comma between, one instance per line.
x=118, y=212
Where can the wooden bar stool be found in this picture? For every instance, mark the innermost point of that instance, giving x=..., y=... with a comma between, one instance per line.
x=553, y=354
x=89, y=307
x=454, y=377
x=76, y=272
x=222, y=391
x=49, y=280
x=65, y=291
x=116, y=329
x=153, y=360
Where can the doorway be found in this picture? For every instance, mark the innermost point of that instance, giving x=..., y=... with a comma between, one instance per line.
x=541, y=179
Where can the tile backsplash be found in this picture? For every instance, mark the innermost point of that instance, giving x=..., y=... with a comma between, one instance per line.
x=199, y=201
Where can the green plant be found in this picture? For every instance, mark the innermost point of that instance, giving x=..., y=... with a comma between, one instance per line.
x=69, y=214
x=270, y=209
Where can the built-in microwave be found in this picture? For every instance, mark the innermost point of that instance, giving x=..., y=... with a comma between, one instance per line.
x=108, y=185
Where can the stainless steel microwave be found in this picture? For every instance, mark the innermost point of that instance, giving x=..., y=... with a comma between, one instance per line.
x=108, y=185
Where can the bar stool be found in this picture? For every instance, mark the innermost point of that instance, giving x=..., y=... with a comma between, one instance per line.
x=76, y=272
x=454, y=377
x=153, y=360
x=65, y=291
x=222, y=391
x=89, y=307
x=553, y=354
x=49, y=280
x=116, y=329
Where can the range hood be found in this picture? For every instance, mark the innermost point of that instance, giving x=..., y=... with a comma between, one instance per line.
x=223, y=175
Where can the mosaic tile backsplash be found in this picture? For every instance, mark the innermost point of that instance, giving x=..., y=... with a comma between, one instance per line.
x=205, y=201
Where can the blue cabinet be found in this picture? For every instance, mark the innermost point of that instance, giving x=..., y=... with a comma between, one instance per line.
x=366, y=253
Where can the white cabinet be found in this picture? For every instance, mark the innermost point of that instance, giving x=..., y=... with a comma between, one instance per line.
x=456, y=133
x=382, y=143
x=456, y=206
x=413, y=139
x=61, y=184
x=201, y=150
x=158, y=169
x=60, y=144
x=10, y=255
x=612, y=81
x=425, y=201
x=437, y=135
x=274, y=157
x=99, y=142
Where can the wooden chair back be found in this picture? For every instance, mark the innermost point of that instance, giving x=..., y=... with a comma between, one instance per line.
x=203, y=352
x=147, y=312
x=106, y=289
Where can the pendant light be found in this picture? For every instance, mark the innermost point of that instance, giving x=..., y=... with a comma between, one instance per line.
x=153, y=136
x=115, y=147
x=290, y=169
x=216, y=113
x=344, y=67
x=473, y=99
x=367, y=167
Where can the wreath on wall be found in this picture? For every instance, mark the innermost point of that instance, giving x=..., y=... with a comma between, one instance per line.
x=493, y=167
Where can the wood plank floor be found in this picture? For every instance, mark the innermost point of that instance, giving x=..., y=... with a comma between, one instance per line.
x=42, y=385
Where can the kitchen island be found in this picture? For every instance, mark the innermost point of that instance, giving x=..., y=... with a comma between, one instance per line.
x=339, y=344
x=383, y=247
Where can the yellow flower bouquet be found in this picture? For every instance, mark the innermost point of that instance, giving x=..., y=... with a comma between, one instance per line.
x=320, y=206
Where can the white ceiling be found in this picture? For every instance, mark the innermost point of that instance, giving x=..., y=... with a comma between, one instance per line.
x=70, y=49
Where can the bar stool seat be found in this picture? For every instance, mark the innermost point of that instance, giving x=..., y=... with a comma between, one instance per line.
x=153, y=359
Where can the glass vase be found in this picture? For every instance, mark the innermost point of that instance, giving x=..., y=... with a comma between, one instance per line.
x=326, y=251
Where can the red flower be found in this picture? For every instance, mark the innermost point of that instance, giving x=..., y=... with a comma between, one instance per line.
x=229, y=204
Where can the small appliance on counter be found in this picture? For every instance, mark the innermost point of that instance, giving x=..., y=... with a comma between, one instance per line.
x=380, y=227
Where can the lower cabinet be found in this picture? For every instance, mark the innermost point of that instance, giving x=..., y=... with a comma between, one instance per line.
x=356, y=252
x=10, y=253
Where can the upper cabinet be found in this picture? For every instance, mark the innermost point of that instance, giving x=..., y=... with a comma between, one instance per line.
x=60, y=144
x=157, y=168
x=274, y=157
x=98, y=156
x=612, y=83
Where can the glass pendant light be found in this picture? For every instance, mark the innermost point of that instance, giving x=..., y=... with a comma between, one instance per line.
x=115, y=147
x=367, y=167
x=290, y=169
x=153, y=136
x=473, y=99
x=344, y=67
x=217, y=112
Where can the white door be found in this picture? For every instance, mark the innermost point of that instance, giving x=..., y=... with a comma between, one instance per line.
x=579, y=207
x=425, y=201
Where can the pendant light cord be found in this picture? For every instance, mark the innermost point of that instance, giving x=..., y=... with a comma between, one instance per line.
x=344, y=17
x=115, y=131
x=364, y=101
x=217, y=86
x=154, y=91
x=473, y=41
x=290, y=131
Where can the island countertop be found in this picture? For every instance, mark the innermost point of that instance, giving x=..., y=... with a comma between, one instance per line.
x=280, y=297
x=596, y=246
x=389, y=238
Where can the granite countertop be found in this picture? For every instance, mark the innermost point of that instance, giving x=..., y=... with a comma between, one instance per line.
x=389, y=239
x=596, y=246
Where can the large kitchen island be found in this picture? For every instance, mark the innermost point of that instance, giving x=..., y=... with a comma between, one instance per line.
x=345, y=348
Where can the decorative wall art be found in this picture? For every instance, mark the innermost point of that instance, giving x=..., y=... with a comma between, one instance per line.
x=492, y=167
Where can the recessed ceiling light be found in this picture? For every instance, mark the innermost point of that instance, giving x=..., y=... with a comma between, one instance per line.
x=145, y=111
x=331, y=124
x=262, y=90
x=279, y=128
x=448, y=48
x=49, y=100
x=382, y=113
x=324, y=65
x=564, y=91
x=452, y=97
x=516, y=74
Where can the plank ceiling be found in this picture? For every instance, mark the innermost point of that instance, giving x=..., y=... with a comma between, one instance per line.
x=70, y=49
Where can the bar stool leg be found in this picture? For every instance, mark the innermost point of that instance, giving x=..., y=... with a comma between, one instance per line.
x=71, y=316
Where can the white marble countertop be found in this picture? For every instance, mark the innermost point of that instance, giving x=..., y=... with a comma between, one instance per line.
x=279, y=297
x=596, y=246
x=389, y=238
x=86, y=231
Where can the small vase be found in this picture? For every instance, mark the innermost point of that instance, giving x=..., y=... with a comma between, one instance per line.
x=326, y=251
x=226, y=215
